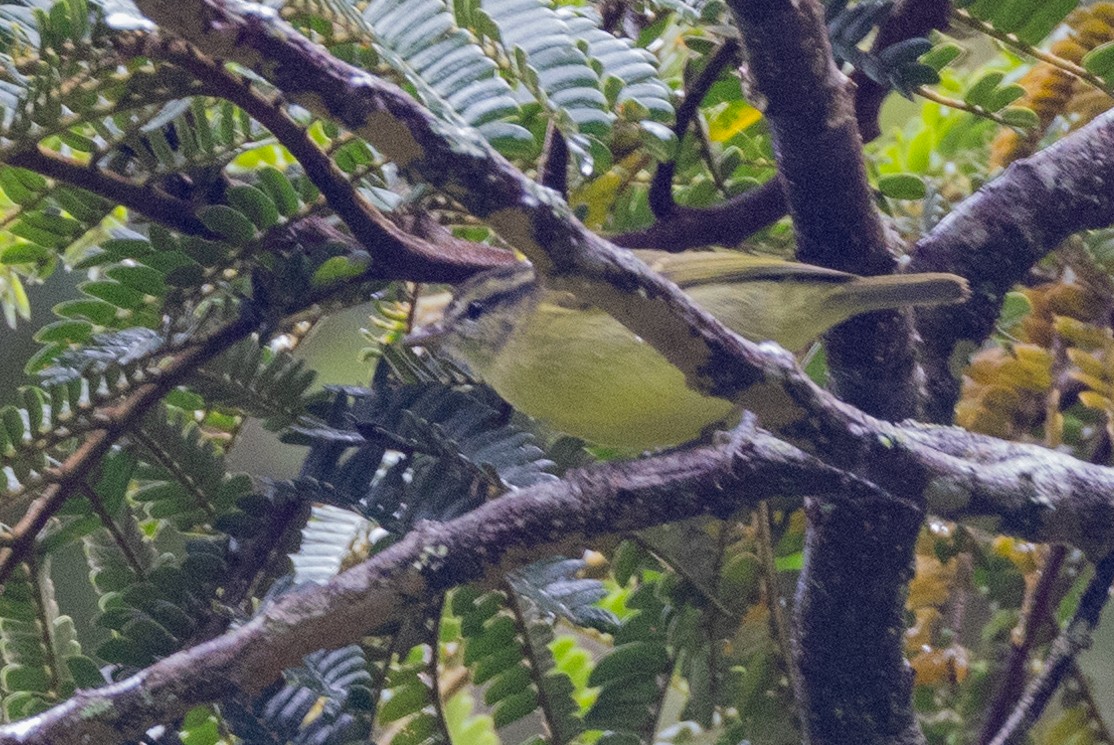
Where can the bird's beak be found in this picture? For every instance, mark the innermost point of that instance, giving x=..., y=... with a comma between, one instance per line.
x=427, y=336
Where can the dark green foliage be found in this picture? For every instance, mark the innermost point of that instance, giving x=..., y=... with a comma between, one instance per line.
x=674, y=643
x=554, y=588
x=324, y=702
x=896, y=66
x=451, y=74
x=256, y=382
x=43, y=663
x=454, y=448
x=634, y=675
x=507, y=650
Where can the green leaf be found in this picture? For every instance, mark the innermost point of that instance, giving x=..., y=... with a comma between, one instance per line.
x=141, y=278
x=69, y=332
x=902, y=186
x=1020, y=117
x=85, y=672
x=1015, y=307
x=941, y=55
x=1100, y=60
x=979, y=93
x=115, y=293
x=280, y=190
x=1049, y=15
x=1004, y=96
x=228, y=223
x=127, y=248
x=515, y=707
x=659, y=140
x=640, y=659
x=25, y=253
x=97, y=311
x=403, y=701
x=187, y=275
x=254, y=203
x=338, y=268
x=14, y=189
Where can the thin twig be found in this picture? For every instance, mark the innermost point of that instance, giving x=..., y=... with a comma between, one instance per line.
x=778, y=615
x=116, y=421
x=1071, y=641
x=1038, y=600
x=661, y=187
x=1048, y=58
x=149, y=201
x=955, y=103
x=113, y=530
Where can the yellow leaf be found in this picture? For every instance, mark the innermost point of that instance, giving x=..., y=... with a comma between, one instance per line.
x=735, y=117
x=1080, y=333
x=1085, y=362
x=600, y=193
x=1093, y=400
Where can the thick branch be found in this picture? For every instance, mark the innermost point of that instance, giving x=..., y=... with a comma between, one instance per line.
x=993, y=238
x=480, y=546
x=725, y=224
x=460, y=162
x=563, y=516
x=820, y=158
x=855, y=685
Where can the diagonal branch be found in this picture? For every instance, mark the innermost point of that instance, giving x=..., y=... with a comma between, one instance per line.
x=461, y=163
x=480, y=546
x=146, y=199
x=563, y=516
x=1071, y=641
x=114, y=423
x=400, y=253
x=993, y=238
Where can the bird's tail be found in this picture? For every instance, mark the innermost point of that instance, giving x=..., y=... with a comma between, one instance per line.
x=898, y=290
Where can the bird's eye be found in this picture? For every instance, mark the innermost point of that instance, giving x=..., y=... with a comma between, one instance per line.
x=474, y=310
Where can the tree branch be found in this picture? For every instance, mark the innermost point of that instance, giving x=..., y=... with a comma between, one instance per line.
x=400, y=254
x=731, y=221
x=994, y=236
x=661, y=188
x=144, y=199
x=480, y=546
x=562, y=517
x=855, y=685
x=530, y=217
x=1071, y=641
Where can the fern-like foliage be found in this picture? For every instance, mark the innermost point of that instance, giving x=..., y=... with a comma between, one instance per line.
x=180, y=327
x=896, y=66
x=313, y=705
x=43, y=661
x=422, y=42
x=450, y=441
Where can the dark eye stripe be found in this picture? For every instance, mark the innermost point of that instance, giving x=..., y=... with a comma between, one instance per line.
x=517, y=282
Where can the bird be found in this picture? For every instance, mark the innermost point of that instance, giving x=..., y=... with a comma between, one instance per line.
x=564, y=361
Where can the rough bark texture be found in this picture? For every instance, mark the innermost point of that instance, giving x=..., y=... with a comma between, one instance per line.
x=994, y=237
x=855, y=685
